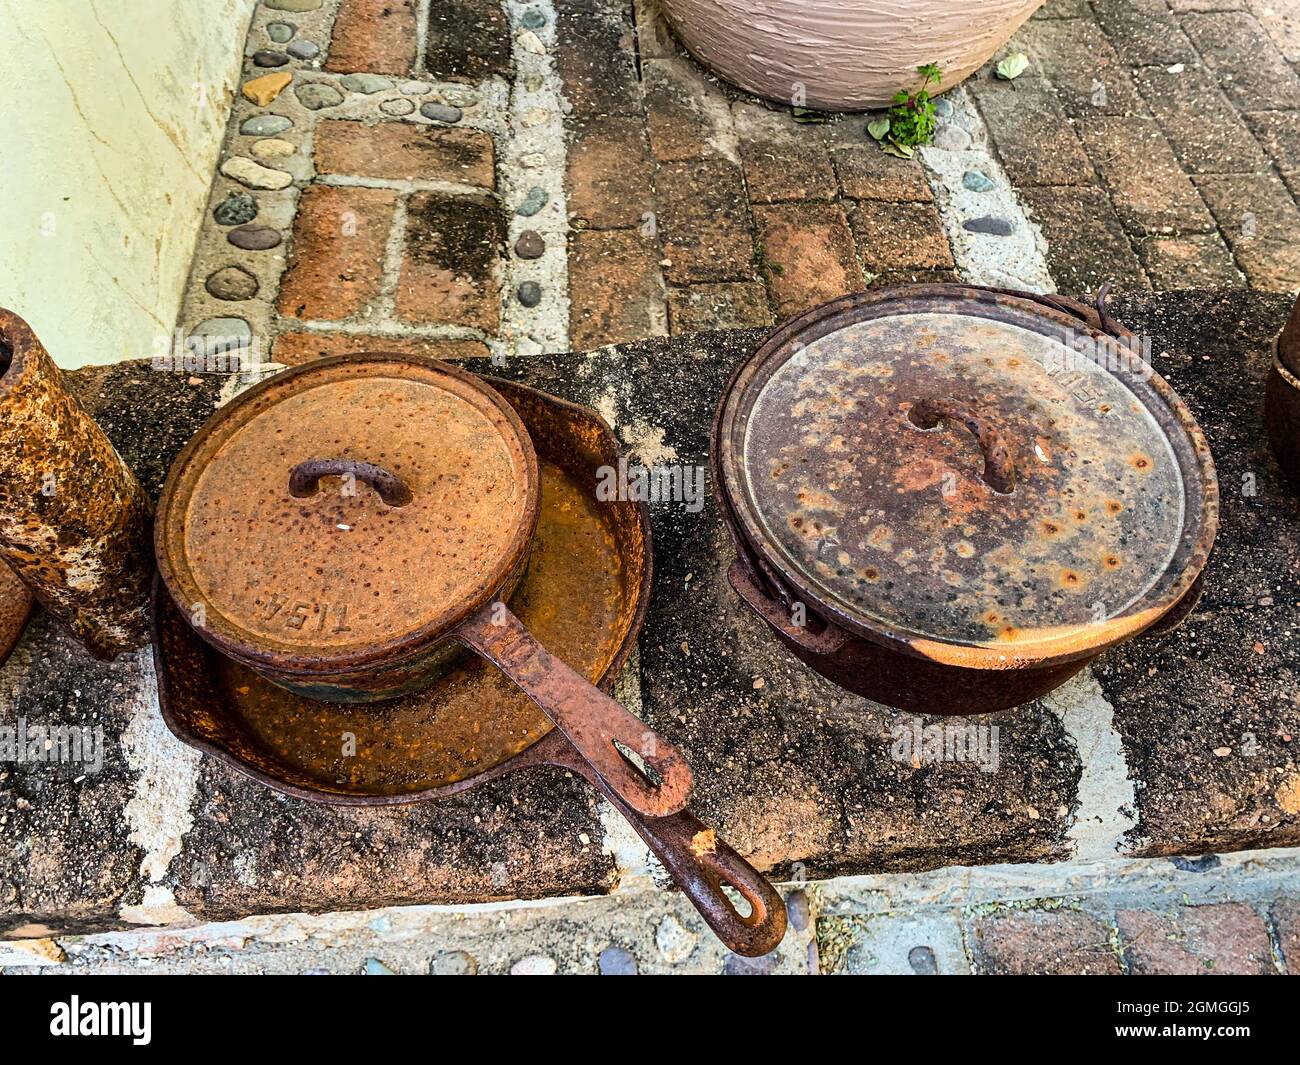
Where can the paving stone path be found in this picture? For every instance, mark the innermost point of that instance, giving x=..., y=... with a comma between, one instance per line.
x=471, y=176
x=1114, y=918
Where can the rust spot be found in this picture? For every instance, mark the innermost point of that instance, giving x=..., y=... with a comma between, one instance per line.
x=1081, y=515
x=1050, y=528
x=1110, y=560
x=1071, y=579
x=1140, y=461
x=704, y=842
x=1114, y=506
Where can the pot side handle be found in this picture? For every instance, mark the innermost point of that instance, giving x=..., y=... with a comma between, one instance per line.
x=826, y=642
x=701, y=863
x=594, y=723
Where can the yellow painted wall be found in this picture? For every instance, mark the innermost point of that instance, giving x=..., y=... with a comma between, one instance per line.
x=111, y=117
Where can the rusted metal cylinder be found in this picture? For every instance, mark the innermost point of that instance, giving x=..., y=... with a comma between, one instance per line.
x=75, y=525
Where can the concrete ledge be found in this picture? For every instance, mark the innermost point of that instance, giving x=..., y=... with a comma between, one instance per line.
x=796, y=774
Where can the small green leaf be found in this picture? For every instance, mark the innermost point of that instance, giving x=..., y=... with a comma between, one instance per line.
x=809, y=117
x=1013, y=66
x=901, y=151
x=878, y=128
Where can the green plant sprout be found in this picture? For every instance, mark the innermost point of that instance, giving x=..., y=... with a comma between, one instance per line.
x=910, y=122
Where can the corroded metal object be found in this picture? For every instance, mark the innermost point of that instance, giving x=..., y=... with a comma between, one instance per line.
x=15, y=608
x=1282, y=399
x=364, y=588
x=74, y=521
x=584, y=596
x=951, y=499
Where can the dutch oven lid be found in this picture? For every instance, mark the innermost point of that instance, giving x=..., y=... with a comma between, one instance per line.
x=349, y=510
x=974, y=475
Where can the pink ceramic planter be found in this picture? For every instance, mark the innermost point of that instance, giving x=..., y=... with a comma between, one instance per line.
x=847, y=55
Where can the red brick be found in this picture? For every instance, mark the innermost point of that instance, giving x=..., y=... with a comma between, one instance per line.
x=468, y=40
x=686, y=114
x=1086, y=245
x=1259, y=220
x=783, y=160
x=1043, y=943
x=728, y=305
x=615, y=291
x=452, y=262
x=1244, y=61
x=1150, y=191
x=401, y=150
x=1200, y=260
x=1279, y=133
x=610, y=173
x=1286, y=919
x=808, y=255
x=1075, y=56
x=1144, y=32
x=1227, y=937
x=595, y=59
x=339, y=239
x=296, y=348
x=1032, y=134
x=900, y=236
x=1054, y=9
x=1183, y=6
x=1251, y=206
x=914, y=276
x=704, y=222
x=373, y=37
x=867, y=173
x=1205, y=131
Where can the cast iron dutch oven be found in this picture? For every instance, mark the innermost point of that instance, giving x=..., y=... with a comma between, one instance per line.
x=341, y=527
x=951, y=499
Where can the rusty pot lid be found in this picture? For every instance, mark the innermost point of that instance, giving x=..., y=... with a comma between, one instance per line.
x=969, y=475
x=349, y=511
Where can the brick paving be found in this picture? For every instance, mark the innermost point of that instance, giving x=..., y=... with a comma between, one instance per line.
x=1202, y=917
x=1114, y=918
x=1153, y=143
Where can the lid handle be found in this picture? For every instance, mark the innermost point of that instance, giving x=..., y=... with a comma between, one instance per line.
x=304, y=479
x=999, y=474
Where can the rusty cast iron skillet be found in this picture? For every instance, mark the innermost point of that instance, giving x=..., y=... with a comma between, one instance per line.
x=922, y=676
x=384, y=668
x=471, y=725
x=1282, y=399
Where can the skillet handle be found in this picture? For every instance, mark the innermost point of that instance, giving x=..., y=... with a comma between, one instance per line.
x=589, y=718
x=701, y=862
x=826, y=642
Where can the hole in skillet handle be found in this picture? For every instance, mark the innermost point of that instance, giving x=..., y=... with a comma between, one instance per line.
x=741, y=903
x=637, y=761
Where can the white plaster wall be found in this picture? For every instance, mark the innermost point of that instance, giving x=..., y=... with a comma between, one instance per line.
x=111, y=117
